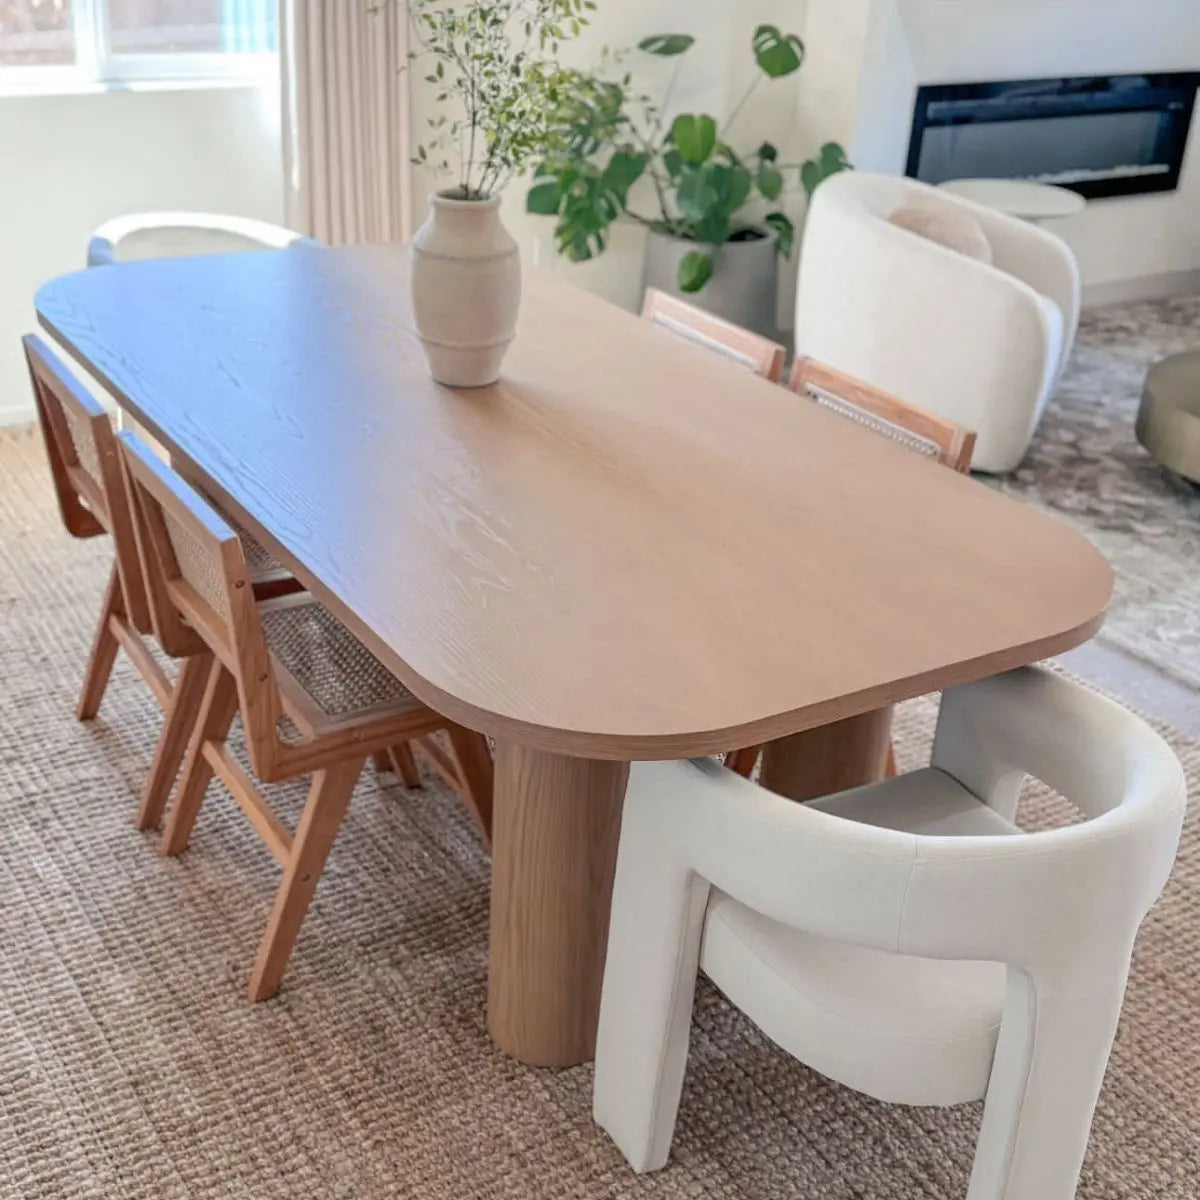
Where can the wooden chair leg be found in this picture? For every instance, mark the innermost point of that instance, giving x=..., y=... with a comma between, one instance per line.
x=328, y=798
x=217, y=711
x=103, y=653
x=402, y=762
x=473, y=759
x=743, y=761
x=183, y=712
x=890, y=770
x=382, y=762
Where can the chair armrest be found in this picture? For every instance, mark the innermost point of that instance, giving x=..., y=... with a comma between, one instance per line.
x=1036, y=256
x=994, y=732
x=806, y=868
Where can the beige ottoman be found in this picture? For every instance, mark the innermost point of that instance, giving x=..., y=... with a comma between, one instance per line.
x=1168, y=421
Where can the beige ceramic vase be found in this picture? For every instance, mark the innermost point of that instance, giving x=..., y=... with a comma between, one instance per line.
x=466, y=286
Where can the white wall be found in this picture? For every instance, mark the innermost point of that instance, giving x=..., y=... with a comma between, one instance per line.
x=713, y=74
x=69, y=162
x=1124, y=244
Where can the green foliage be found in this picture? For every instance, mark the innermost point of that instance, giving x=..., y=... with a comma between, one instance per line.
x=607, y=137
x=667, y=45
x=695, y=268
x=785, y=231
x=695, y=137
x=816, y=170
x=778, y=54
x=500, y=88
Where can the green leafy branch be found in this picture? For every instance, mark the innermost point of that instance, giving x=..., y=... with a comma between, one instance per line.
x=608, y=139
x=499, y=87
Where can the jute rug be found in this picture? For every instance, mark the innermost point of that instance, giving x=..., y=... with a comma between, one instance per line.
x=132, y=1069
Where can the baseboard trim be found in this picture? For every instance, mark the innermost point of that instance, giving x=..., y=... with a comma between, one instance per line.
x=17, y=414
x=1143, y=287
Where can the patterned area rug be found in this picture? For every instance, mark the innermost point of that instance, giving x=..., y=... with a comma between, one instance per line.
x=131, y=1067
x=1087, y=467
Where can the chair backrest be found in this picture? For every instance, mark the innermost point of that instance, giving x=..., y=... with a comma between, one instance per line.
x=759, y=354
x=1040, y=901
x=176, y=234
x=197, y=579
x=883, y=413
x=85, y=468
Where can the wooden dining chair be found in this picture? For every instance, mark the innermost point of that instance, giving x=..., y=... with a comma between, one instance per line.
x=912, y=427
x=759, y=354
x=313, y=699
x=85, y=469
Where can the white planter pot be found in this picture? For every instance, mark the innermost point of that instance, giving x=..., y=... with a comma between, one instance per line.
x=466, y=287
x=743, y=285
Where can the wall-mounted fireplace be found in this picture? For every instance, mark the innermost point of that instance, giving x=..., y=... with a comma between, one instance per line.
x=1108, y=135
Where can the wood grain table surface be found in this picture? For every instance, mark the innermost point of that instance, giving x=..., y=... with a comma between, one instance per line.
x=628, y=548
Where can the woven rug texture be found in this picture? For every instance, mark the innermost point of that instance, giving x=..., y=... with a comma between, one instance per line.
x=131, y=1068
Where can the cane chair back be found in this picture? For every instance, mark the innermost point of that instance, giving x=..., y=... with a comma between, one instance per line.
x=887, y=415
x=197, y=578
x=758, y=354
x=85, y=468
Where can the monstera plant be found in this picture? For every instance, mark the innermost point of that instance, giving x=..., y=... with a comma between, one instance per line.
x=705, y=192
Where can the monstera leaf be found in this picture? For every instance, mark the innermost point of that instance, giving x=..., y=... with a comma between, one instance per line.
x=695, y=268
x=777, y=53
x=666, y=45
x=695, y=137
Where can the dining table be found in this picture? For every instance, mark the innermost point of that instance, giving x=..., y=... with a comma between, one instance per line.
x=628, y=548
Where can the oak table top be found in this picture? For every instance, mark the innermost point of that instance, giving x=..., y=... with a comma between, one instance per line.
x=628, y=548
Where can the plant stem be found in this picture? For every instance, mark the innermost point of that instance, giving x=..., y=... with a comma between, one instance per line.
x=662, y=108
x=652, y=155
x=737, y=108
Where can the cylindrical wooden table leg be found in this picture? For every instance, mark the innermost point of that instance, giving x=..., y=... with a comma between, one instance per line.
x=554, y=848
x=830, y=758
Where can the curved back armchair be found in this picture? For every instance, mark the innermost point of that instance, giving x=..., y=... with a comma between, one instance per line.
x=906, y=939
x=977, y=343
x=172, y=234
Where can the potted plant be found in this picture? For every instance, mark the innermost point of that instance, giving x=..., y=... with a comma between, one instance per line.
x=492, y=63
x=702, y=237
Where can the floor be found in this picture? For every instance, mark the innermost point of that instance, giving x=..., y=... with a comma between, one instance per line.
x=1085, y=467
x=1139, y=684
x=130, y=1066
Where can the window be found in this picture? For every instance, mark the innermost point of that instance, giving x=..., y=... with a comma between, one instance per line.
x=43, y=42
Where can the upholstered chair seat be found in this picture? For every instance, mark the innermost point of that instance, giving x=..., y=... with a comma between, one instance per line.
x=903, y=1029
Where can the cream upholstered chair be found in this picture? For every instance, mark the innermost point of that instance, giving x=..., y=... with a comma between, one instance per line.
x=177, y=234
x=751, y=350
x=981, y=344
x=906, y=938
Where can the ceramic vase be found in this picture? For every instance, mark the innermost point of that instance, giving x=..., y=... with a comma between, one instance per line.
x=466, y=286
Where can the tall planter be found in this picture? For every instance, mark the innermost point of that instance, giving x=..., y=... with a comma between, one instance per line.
x=743, y=285
x=466, y=287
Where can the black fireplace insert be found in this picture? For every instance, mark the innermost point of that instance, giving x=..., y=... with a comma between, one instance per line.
x=1105, y=135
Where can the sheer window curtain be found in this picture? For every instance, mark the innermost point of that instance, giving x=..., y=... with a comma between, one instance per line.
x=346, y=120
